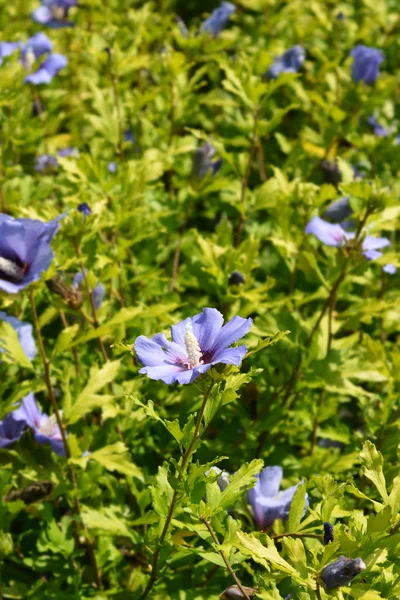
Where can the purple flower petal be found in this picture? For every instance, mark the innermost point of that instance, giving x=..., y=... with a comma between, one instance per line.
x=372, y=254
x=206, y=327
x=329, y=234
x=7, y=48
x=374, y=243
x=10, y=431
x=149, y=353
x=42, y=15
x=47, y=70
x=230, y=356
x=270, y=480
x=390, y=269
x=39, y=44
x=235, y=329
x=28, y=411
x=168, y=373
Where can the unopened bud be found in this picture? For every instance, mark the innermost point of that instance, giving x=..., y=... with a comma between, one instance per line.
x=236, y=278
x=233, y=592
x=328, y=533
x=341, y=571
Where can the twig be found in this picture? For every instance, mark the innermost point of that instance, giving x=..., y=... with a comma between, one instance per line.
x=71, y=473
x=224, y=557
x=184, y=465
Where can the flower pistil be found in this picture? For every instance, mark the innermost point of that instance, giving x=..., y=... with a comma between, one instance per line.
x=192, y=348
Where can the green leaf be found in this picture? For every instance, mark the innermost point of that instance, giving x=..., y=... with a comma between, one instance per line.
x=268, y=342
x=113, y=458
x=373, y=468
x=64, y=339
x=105, y=521
x=243, y=480
x=172, y=426
x=12, y=349
x=88, y=399
x=296, y=510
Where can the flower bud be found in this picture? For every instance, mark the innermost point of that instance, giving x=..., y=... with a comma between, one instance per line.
x=236, y=278
x=328, y=533
x=341, y=571
x=233, y=592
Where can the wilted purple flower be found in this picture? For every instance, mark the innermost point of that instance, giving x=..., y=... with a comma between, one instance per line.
x=25, y=251
x=328, y=533
x=197, y=343
x=288, y=62
x=366, y=63
x=202, y=162
x=339, y=210
x=112, y=167
x=46, y=162
x=340, y=16
x=223, y=477
x=10, y=431
x=218, y=19
x=85, y=209
x=7, y=48
x=236, y=278
x=25, y=336
x=341, y=571
x=54, y=13
x=98, y=292
x=45, y=428
x=267, y=502
x=332, y=234
x=379, y=130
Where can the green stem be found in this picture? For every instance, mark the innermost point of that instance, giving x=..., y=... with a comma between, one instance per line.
x=71, y=473
x=184, y=464
x=224, y=557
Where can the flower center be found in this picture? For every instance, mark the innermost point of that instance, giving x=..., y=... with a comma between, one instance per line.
x=29, y=59
x=58, y=12
x=10, y=271
x=48, y=426
x=192, y=347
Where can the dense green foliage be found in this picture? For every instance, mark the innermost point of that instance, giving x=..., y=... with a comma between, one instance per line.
x=318, y=392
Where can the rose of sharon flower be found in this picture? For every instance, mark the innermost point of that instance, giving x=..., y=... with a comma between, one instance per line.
x=197, y=343
x=366, y=63
x=36, y=46
x=218, y=19
x=24, y=331
x=288, y=62
x=267, y=502
x=341, y=571
x=25, y=251
x=54, y=13
x=332, y=234
x=45, y=428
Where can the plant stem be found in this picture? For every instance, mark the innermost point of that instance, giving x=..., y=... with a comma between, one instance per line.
x=318, y=592
x=184, y=464
x=224, y=557
x=316, y=536
x=71, y=473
